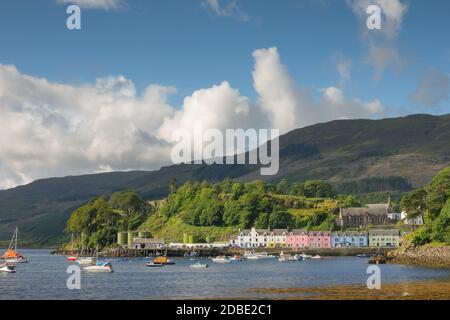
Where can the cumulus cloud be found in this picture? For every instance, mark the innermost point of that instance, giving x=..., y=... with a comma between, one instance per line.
x=52, y=129
x=225, y=8
x=381, y=44
x=434, y=87
x=291, y=106
x=96, y=4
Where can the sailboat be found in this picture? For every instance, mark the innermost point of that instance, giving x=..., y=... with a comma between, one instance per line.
x=11, y=255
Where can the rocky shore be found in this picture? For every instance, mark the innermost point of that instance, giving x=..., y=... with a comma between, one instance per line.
x=430, y=256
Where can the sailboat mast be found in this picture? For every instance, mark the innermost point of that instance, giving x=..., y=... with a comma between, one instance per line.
x=17, y=235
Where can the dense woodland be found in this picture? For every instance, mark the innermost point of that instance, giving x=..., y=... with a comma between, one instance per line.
x=220, y=209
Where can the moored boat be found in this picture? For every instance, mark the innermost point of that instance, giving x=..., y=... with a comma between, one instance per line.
x=199, y=265
x=105, y=267
x=11, y=255
x=7, y=268
x=151, y=264
x=316, y=257
x=235, y=258
x=163, y=260
x=221, y=259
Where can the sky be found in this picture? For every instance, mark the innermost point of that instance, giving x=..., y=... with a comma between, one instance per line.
x=109, y=96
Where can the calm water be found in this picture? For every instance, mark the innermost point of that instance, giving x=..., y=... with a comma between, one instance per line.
x=45, y=278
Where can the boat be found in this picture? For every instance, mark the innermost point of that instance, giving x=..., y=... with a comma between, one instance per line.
x=286, y=257
x=72, y=259
x=316, y=257
x=11, y=255
x=250, y=255
x=191, y=254
x=151, y=264
x=235, y=259
x=105, y=267
x=221, y=259
x=7, y=268
x=163, y=260
x=86, y=261
x=199, y=265
x=305, y=256
x=297, y=257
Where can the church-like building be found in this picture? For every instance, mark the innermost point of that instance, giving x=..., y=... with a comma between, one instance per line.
x=372, y=214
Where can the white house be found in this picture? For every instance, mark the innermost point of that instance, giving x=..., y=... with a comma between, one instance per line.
x=254, y=238
x=418, y=221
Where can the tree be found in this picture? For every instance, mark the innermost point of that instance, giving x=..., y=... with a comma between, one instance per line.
x=318, y=189
x=438, y=192
x=280, y=220
x=413, y=203
x=283, y=187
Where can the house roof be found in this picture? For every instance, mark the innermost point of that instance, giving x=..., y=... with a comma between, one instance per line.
x=385, y=232
x=349, y=234
x=373, y=209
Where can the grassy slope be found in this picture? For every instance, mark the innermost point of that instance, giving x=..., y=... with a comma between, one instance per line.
x=414, y=147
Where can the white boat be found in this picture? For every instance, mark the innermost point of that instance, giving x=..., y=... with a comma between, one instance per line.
x=220, y=259
x=264, y=255
x=151, y=264
x=235, y=259
x=104, y=267
x=305, y=256
x=7, y=268
x=316, y=257
x=87, y=261
x=285, y=257
x=199, y=265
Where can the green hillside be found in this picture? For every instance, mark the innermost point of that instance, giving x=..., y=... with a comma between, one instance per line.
x=356, y=156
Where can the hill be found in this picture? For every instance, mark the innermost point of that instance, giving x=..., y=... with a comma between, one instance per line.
x=359, y=156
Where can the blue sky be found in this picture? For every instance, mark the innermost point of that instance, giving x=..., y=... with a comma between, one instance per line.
x=182, y=44
x=109, y=97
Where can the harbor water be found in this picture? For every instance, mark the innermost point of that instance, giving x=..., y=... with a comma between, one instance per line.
x=45, y=276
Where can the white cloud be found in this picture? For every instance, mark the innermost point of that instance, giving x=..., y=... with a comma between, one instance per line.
x=382, y=50
x=51, y=129
x=96, y=4
x=434, y=87
x=344, y=68
x=225, y=8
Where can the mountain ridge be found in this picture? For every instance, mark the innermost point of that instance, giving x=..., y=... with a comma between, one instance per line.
x=414, y=147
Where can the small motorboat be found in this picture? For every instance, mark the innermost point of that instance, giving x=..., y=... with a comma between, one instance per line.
x=235, y=259
x=86, y=261
x=191, y=254
x=105, y=267
x=305, y=256
x=199, y=265
x=7, y=268
x=316, y=257
x=72, y=259
x=221, y=259
x=163, y=260
x=286, y=257
x=151, y=264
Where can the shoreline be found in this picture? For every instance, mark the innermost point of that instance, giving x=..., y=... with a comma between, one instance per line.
x=137, y=253
x=421, y=290
x=425, y=256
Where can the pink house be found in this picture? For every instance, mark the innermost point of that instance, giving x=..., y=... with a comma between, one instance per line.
x=297, y=239
x=308, y=239
x=319, y=239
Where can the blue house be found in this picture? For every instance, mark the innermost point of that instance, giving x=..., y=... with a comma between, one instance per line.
x=346, y=239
